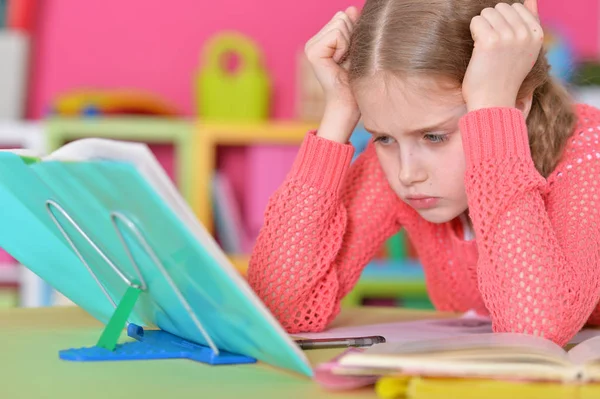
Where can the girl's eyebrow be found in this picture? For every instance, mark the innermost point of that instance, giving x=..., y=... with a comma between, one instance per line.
x=438, y=126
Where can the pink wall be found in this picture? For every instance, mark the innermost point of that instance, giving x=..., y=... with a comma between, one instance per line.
x=578, y=20
x=155, y=45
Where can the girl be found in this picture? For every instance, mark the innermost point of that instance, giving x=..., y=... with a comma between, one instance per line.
x=476, y=153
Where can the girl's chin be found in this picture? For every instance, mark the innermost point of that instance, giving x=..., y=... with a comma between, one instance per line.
x=439, y=215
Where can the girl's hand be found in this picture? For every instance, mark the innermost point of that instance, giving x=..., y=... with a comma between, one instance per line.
x=508, y=40
x=326, y=52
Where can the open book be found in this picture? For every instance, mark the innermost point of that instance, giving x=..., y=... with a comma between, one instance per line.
x=94, y=203
x=510, y=356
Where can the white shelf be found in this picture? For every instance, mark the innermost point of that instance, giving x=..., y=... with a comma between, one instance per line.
x=587, y=95
x=14, y=53
x=22, y=134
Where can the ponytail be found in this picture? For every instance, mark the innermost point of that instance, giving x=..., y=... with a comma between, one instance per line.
x=550, y=124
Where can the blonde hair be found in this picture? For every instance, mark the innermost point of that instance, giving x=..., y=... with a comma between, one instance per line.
x=433, y=37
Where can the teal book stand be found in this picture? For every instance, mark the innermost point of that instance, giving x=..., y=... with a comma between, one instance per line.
x=100, y=222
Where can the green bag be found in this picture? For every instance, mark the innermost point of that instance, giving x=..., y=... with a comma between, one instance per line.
x=240, y=96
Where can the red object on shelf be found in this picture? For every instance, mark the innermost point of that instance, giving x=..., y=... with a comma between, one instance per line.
x=382, y=253
x=411, y=252
x=20, y=15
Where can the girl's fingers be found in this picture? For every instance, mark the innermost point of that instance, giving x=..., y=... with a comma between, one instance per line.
x=353, y=13
x=510, y=14
x=530, y=20
x=339, y=45
x=333, y=40
x=481, y=28
x=515, y=20
x=339, y=28
x=334, y=23
x=497, y=21
x=347, y=21
x=532, y=7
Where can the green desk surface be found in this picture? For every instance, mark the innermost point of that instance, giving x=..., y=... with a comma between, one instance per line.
x=30, y=368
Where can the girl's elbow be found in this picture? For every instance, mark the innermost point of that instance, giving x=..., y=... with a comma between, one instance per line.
x=296, y=322
x=558, y=332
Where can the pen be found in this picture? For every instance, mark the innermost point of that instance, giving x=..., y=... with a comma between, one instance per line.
x=327, y=343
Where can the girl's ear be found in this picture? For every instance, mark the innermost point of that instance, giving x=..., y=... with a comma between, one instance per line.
x=524, y=104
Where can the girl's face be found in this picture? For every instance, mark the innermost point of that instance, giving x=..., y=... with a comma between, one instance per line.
x=414, y=123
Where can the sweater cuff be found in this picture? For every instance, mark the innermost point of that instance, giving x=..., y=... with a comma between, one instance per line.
x=322, y=163
x=494, y=133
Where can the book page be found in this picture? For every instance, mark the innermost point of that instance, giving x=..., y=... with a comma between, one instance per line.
x=24, y=152
x=492, y=346
x=586, y=352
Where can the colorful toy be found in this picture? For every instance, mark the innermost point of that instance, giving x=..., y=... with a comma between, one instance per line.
x=239, y=95
x=111, y=102
x=560, y=55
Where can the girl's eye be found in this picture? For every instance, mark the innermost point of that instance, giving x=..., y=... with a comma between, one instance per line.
x=385, y=140
x=436, y=138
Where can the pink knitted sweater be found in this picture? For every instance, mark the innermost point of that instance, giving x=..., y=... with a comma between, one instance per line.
x=533, y=267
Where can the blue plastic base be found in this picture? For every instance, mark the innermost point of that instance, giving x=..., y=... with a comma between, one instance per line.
x=154, y=344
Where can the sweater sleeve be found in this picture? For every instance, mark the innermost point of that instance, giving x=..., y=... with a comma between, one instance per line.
x=322, y=226
x=538, y=260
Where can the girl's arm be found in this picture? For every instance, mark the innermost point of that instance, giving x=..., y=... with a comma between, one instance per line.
x=538, y=263
x=322, y=226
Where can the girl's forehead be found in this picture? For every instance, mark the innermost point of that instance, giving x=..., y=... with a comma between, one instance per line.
x=408, y=100
x=411, y=110
x=415, y=88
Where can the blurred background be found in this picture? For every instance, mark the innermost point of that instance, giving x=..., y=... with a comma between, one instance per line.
x=221, y=93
